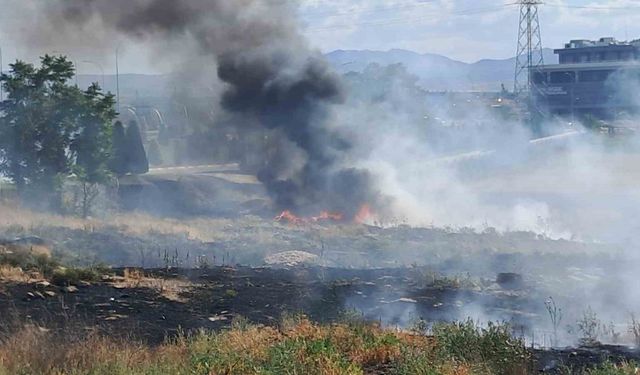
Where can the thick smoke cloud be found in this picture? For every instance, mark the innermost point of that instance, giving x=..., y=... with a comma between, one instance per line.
x=270, y=79
x=484, y=175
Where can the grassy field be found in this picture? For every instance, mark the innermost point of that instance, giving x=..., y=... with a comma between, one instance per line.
x=289, y=346
x=295, y=346
x=136, y=239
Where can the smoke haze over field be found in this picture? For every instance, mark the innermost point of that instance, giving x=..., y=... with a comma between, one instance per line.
x=375, y=137
x=333, y=149
x=268, y=77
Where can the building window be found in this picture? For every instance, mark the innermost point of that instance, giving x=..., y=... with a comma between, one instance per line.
x=539, y=78
x=594, y=75
x=562, y=77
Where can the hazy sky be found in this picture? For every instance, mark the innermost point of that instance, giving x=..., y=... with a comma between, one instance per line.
x=466, y=30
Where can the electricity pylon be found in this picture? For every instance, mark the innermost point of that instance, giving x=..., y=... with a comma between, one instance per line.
x=529, y=55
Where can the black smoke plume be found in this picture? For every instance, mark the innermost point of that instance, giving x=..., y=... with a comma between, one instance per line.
x=271, y=78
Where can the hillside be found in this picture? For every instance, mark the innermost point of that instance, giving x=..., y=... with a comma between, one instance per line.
x=436, y=72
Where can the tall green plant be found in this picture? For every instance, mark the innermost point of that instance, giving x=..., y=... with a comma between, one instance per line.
x=37, y=125
x=137, y=157
x=118, y=161
x=92, y=143
x=50, y=128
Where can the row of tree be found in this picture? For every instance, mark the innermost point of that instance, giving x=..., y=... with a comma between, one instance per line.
x=51, y=130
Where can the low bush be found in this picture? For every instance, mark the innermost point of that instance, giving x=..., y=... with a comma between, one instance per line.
x=28, y=260
x=493, y=346
x=610, y=368
x=73, y=276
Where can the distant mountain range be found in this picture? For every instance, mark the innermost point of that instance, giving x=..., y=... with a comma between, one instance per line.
x=436, y=72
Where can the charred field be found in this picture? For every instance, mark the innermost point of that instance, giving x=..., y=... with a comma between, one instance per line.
x=200, y=257
x=237, y=199
x=138, y=278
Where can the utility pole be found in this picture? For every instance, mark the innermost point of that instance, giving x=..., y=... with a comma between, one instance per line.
x=1, y=67
x=99, y=67
x=529, y=54
x=117, y=81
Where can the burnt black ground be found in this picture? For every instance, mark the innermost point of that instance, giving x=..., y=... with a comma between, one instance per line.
x=397, y=297
x=555, y=361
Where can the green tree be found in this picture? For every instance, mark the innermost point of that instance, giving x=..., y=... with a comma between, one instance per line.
x=50, y=128
x=118, y=161
x=137, y=162
x=91, y=144
x=37, y=126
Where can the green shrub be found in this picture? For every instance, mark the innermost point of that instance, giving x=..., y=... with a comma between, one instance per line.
x=493, y=346
x=29, y=261
x=73, y=276
x=610, y=368
x=230, y=293
x=304, y=356
x=415, y=362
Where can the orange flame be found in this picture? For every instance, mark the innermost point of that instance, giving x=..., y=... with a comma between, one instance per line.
x=365, y=215
x=328, y=216
x=291, y=218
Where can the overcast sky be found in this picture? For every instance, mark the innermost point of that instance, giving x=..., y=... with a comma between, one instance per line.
x=466, y=30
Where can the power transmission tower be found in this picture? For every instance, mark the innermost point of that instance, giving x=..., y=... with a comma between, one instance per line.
x=529, y=55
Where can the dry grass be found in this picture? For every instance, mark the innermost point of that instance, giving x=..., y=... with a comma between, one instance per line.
x=17, y=275
x=170, y=288
x=137, y=223
x=296, y=347
x=25, y=264
x=37, y=351
x=30, y=250
x=609, y=368
x=253, y=238
x=11, y=216
x=134, y=223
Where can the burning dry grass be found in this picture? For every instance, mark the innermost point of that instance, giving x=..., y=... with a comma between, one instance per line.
x=136, y=223
x=136, y=239
x=297, y=346
x=205, y=229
